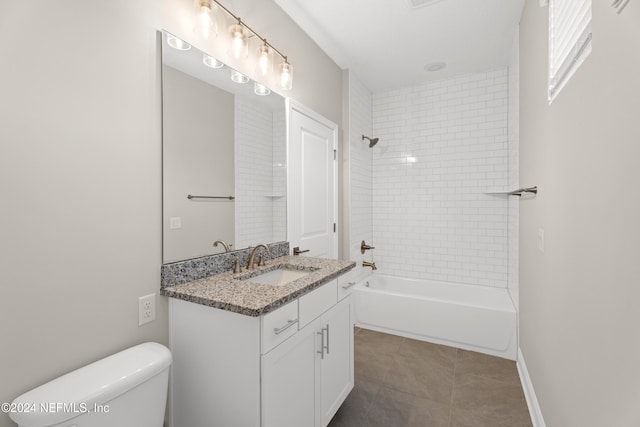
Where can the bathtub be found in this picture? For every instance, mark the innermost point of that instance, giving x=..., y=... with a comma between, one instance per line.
x=470, y=317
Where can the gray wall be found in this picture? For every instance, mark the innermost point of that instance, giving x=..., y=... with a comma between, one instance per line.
x=579, y=299
x=80, y=172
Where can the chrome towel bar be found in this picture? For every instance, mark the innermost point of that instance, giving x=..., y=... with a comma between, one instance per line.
x=189, y=196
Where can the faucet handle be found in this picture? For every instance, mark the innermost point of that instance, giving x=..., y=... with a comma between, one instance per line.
x=260, y=260
x=236, y=265
x=365, y=247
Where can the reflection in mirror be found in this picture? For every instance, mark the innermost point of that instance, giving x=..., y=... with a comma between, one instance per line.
x=224, y=144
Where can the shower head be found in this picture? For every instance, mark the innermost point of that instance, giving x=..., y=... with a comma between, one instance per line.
x=372, y=141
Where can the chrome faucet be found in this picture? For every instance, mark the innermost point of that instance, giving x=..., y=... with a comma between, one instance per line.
x=252, y=257
x=227, y=247
x=369, y=264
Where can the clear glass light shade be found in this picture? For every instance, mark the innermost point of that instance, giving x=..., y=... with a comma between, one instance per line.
x=260, y=89
x=211, y=62
x=265, y=59
x=238, y=77
x=239, y=44
x=177, y=43
x=206, y=25
x=286, y=75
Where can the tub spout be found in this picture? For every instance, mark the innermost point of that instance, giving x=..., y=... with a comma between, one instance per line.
x=369, y=264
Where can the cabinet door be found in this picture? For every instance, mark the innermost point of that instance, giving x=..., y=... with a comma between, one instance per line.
x=289, y=381
x=336, y=367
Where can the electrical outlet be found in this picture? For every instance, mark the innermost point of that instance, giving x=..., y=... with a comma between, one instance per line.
x=146, y=309
x=541, y=240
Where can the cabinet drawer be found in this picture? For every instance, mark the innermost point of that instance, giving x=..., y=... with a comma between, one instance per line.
x=279, y=325
x=347, y=282
x=317, y=302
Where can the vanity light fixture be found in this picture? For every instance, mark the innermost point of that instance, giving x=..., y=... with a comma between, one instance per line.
x=240, y=35
x=177, y=43
x=286, y=74
x=205, y=22
x=265, y=59
x=260, y=89
x=239, y=42
x=211, y=62
x=238, y=77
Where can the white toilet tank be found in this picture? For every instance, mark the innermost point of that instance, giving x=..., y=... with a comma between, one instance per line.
x=127, y=389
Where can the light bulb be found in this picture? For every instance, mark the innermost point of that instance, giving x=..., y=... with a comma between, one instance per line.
x=286, y=75
x=205, y=22
x=238, y=42
x=265, y=64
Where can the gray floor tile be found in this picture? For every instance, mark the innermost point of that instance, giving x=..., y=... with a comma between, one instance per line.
x=402, y=382
x=483, y=365
x=393, y=408
x=427, y=378
x=490, y=402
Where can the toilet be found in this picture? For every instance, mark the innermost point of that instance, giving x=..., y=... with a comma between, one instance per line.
x=127, y=389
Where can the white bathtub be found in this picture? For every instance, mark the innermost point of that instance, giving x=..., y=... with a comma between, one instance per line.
x=477, y=318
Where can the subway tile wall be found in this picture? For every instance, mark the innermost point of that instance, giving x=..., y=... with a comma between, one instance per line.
x=361, y=156
x=443, y=145
x=514, y=177
x=279, y=170
x=260, y=204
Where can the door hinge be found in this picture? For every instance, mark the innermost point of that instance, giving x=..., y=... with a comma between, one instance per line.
x=334, y=227
x=335, y=154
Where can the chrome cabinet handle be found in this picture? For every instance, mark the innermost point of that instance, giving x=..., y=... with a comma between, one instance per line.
x=351, y=284
x=321, y=351
x=327, y=328
x=289, y=324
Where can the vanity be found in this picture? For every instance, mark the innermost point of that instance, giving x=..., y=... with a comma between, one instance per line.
x=269, y=346
x=250, y=349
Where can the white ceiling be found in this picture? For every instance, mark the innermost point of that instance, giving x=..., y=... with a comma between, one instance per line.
x=387, y=43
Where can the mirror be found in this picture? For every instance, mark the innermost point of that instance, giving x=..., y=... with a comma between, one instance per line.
x=223, y=157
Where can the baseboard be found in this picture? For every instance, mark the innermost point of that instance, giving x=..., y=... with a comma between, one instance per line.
x=529, y=393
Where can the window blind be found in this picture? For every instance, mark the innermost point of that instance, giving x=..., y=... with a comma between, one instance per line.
x=569, y=40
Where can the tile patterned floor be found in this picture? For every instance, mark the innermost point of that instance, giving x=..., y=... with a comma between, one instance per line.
x=400, y=382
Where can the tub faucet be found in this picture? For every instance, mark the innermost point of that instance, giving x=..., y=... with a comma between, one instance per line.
x=369, y=264
x=252, y=257
x=227, y=247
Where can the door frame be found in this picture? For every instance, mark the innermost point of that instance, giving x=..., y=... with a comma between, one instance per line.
x=291, y=106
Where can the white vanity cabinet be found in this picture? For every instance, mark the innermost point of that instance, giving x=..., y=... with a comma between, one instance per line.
x=292, y=367
x=306, y=379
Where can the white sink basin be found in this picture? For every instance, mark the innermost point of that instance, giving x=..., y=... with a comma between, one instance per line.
x=278, y=277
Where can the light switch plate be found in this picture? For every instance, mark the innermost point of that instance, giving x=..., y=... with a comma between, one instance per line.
x=175, y=222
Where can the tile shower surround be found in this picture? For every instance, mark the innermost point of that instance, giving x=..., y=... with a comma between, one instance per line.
x=261, y=144
x=189, y=270
x=361, y=178
x=443, y=145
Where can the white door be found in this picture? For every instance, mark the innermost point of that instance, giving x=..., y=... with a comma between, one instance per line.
x=311, y=204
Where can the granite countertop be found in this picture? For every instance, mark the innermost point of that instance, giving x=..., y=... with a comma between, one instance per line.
x=231, y=291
